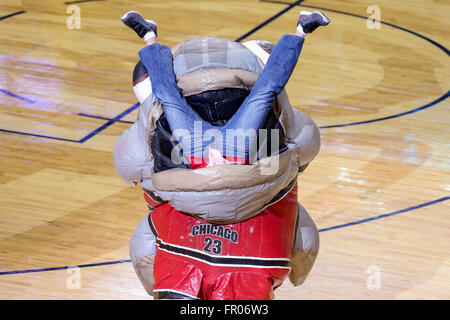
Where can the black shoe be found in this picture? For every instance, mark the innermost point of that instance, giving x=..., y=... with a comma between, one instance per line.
x=135, y=21
x=309, y=21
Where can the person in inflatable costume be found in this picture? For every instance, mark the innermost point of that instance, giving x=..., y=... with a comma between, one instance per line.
x=217, y=148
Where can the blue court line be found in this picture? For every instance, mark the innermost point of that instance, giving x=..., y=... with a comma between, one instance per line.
x=85, y=138
x=426, y=204
x=291, y=5
x=422, y=205
x=65, y=267
x=102, y=118
x=442, y=98
x=365, y=18
x=110, y=122
x=441, y=47
x=80, y=1
x=11, y=15
x=11, y=94
x=38, y=135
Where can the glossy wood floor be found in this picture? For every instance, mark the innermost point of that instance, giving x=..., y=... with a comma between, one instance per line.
x=62, y=204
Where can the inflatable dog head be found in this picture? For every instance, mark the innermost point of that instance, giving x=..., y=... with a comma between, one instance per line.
x=223, y=193
x=215, y=75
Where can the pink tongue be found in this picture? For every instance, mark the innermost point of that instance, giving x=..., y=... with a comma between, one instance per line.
x=215, y=158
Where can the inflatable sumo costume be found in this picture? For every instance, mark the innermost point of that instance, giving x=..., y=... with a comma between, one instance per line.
x=222, y=224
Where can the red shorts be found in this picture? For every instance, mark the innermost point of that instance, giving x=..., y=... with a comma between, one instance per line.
x=246, y=260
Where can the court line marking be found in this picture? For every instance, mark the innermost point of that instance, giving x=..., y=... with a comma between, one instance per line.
x=365, y=18
x=80, y=1
x=426, y=204
x=11, y=94
x=436, y=101
x=85, y=138
x=65, y=267
x=260, y=26
x=12, y=15
x=110, y=122
x=102, y=118
x=382, y=216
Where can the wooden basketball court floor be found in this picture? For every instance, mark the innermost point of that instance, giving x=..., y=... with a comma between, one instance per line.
x=378, y=191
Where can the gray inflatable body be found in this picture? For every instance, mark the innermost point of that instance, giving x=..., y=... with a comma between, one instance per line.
x=225, y=193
